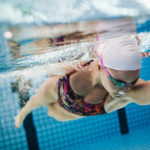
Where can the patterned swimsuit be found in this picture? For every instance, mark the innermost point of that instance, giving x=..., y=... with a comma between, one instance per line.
x=75, y=103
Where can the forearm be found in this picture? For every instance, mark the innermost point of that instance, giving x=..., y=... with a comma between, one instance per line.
x=141, y=93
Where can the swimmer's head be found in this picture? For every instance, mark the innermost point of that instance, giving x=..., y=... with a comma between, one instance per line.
x=120, y=60
x=120, y=82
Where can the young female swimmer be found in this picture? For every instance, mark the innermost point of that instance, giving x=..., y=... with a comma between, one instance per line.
x=97, y=87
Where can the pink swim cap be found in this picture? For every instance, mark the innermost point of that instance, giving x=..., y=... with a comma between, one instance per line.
x=120, y=53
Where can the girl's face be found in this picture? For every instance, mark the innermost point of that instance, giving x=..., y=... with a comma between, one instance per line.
x=119, y=82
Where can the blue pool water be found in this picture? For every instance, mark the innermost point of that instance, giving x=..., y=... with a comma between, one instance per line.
x=43, y=132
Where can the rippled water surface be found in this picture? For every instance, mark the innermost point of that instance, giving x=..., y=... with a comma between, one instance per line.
x=33, y=36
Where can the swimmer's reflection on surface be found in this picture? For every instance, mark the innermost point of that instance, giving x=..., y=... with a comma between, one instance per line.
x=39, y=46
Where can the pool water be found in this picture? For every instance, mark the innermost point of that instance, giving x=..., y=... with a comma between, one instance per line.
x=37, y=42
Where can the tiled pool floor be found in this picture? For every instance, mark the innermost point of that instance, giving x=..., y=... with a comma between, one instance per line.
x=137, y=140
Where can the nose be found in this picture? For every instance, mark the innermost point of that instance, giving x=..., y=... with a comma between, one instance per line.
x=121, y=92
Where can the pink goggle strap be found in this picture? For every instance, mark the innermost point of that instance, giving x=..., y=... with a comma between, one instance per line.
x=101, y=61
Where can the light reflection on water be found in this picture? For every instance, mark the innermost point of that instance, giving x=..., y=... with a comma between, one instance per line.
x=38, y=45
x=28, y=40
x=28, y=11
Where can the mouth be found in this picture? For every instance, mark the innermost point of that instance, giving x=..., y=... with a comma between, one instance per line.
x=118, y=94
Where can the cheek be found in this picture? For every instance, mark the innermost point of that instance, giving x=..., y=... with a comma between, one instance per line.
x=108, y=85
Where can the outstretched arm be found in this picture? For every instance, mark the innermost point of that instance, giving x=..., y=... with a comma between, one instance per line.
x=140, y=93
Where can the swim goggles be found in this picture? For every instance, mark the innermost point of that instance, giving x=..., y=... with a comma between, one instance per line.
x=117, y=83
